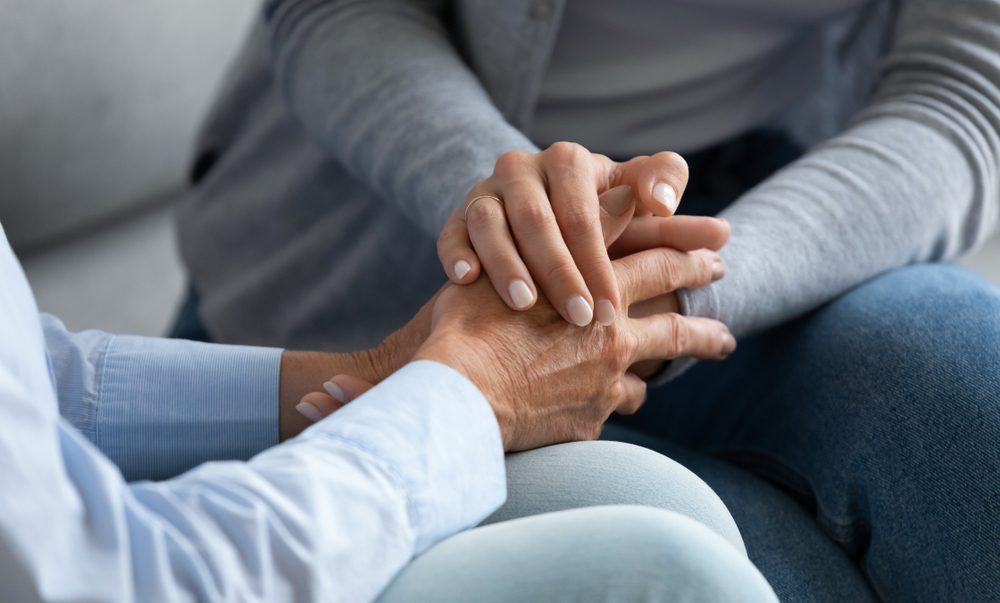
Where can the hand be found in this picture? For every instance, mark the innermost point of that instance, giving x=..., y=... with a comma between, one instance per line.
x=548, y=381
x=535, y=219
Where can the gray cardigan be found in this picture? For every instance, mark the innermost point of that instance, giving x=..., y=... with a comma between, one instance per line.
x=349, y=129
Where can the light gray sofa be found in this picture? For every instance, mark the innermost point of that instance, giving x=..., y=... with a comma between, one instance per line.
x=99, y=104
x=100, y=101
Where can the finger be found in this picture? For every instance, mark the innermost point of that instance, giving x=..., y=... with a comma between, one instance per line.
x=541, y=243
x=668, y=336
x=634, y=395
x=345, y=388
x=685, y=233
x=315, y=406
x=653, y=272
x=658, y=181
x=569, y=173
x=617, y=207
x=455, y=250
x=491, y=238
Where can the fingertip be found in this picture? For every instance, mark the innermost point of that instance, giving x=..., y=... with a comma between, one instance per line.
x=520, y=295
x=462, y=268
x=463, y=271
x=728, y=343
x=665, y=199
x=604, y=312
x=308, y=410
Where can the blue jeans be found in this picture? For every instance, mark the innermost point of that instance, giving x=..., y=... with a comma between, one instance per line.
x=592, y=521
x=865, y=435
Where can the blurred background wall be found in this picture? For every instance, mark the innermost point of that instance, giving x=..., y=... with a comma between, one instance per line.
x=100, y=101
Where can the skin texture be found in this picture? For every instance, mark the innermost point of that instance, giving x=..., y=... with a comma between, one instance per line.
x=544, y=231
x=547, y=380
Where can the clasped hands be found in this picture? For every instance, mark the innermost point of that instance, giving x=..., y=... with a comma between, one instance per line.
x=595, y=236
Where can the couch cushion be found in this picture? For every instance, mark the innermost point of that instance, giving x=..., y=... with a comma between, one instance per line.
x=100, y=102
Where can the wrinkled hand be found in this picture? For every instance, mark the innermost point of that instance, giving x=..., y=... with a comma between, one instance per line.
x=549, y=381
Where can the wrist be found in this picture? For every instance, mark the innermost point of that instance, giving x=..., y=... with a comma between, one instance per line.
x=461, y=356
x=305, y=372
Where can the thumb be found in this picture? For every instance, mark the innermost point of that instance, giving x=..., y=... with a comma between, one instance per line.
x=658, y=181
x=617, y=208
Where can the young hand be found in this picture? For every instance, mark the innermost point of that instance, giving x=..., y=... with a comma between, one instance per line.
x=534, y=223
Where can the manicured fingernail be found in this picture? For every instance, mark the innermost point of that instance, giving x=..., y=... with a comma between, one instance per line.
x=604, y=311
x=718, y=269
x=520, y=294
x=580, y=312
x=618, y=200
x=461, y=269
x=309, y=411
x=665, y=194
x=335, y=391
x=728, y=344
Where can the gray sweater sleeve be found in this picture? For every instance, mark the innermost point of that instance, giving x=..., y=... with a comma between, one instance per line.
x=436, y=131
x=915, y=178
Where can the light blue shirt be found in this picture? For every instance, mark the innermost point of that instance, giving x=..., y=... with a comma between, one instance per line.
x=331, y=515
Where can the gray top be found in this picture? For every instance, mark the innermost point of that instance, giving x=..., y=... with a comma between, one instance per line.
x=338, y=155
x=634, y=76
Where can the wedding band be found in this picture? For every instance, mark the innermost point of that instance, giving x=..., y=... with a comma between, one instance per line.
x=473, y=202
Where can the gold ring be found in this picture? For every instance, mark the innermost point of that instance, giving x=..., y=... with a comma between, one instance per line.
x=473, y=202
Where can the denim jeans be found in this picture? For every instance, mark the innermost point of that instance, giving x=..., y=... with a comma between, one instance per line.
x=880, y=415
x=592, y=521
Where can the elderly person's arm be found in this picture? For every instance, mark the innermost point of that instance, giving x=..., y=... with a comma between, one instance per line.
x=335, y=512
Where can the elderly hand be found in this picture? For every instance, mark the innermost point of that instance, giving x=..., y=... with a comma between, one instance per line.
x=535, y=221
x=549, y=381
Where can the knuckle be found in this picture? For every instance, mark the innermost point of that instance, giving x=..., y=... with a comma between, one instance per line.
x=626, y=281
x=510, y=162
x=670, y=273
x=675, y=161
x=485, y=212
x=577, y=221
x=676, y=333
x=565, y=152
x=530, y=213
x=621, y=346
x=561, y=272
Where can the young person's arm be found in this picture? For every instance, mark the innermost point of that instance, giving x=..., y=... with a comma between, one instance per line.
x=915, y=178
x=380, y=86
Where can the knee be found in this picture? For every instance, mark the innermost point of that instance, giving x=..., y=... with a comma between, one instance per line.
x=670, y=556
x=585, y=474
x=922, y=339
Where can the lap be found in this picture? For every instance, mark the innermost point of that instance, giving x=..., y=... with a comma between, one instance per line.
x=880, y=412
x=587, y=474
x=604, y=553
x=592, y=521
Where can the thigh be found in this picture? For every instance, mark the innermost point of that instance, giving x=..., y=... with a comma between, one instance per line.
x=881, y=413
x=587, y=474
x=617, y=553
x=782, y=538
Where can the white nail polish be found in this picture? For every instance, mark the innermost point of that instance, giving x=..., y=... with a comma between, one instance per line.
x=604, y=311
x=580, y=312
x=461, y=269
x=520, y=294
x=309, y=411
x=335, y=391
x=665, y=194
